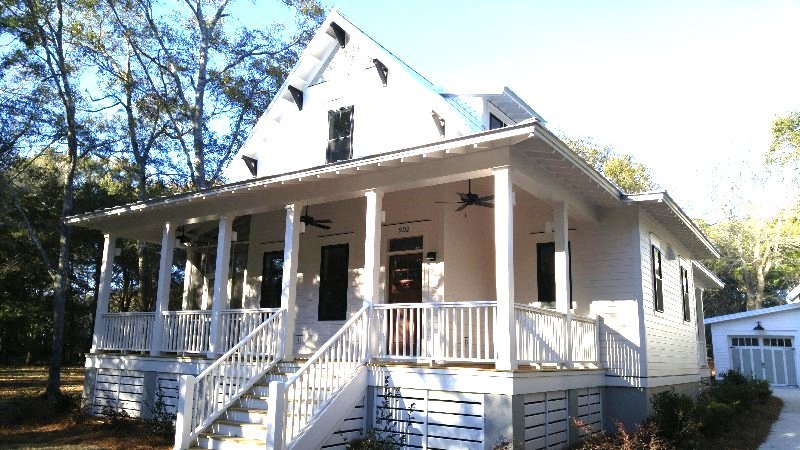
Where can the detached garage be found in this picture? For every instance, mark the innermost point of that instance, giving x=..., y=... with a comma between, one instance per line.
x=760, y=343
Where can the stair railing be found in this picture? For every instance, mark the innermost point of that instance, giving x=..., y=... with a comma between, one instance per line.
x=204, y=398
x=293, y=404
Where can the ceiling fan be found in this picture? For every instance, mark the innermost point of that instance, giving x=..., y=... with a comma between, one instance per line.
x=312, y=222
x=470, y=199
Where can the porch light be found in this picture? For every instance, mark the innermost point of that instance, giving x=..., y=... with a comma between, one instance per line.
x=758, y=327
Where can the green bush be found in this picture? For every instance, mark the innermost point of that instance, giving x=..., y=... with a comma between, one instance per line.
x=739, y=391
x=714, y=417
x=674, y=417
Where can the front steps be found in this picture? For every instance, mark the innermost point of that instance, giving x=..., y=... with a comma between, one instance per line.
x=242, y=426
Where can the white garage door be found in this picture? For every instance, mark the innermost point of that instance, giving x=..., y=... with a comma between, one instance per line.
x=768, y=358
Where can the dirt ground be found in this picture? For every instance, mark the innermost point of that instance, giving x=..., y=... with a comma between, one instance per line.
x=28, y=421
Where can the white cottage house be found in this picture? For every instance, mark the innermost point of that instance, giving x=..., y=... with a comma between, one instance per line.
x=383, y=231
x=760, y=343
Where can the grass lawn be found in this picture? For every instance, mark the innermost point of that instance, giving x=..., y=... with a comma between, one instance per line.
x=748, y=431
x=29, y=421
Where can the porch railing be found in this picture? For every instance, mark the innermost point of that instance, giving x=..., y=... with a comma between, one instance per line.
x=547, y=336
x=130, y=331
x=182, y=332
x=438, y=331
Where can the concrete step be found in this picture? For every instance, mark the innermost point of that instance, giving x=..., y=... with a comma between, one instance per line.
x=218, y=442
x=239, y=429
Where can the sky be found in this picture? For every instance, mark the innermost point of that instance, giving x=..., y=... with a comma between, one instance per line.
x=689, y=88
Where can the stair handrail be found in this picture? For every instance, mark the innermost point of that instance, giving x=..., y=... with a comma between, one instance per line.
x=204, y=398
x=312, y=387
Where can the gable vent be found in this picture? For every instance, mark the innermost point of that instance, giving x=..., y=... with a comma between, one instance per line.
x=383, y=71
x=341, y=36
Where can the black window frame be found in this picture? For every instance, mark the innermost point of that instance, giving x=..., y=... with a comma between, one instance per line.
x=335, y=308
x=687, y=314
x=540, y=274
x=340, y=135
x=658, y=278
x=274, y=298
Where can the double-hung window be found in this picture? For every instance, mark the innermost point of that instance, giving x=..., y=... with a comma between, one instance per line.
x=658, y=282
x=340, y=135
x=685, y=294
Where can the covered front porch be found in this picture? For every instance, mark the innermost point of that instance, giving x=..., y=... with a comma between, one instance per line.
x=442, y=284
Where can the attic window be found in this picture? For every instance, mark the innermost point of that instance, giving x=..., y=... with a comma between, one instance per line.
x=439, y=121
x=495, y=122
x=252, y=165
x=340, y=135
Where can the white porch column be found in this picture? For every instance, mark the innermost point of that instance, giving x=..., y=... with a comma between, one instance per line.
x=164, y=280
x=188, y=279
x=104, y=289
x=561, y=231
x=291, y=247
x=505, y=334
x=221, y=271
x=370, y=284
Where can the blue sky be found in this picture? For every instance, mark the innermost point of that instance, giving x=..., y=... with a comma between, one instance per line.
x=690, y=88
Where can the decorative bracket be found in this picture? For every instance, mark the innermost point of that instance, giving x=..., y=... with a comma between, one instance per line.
x=383, y=71
x=297, y=95
x=341, y=36
x=252, y=164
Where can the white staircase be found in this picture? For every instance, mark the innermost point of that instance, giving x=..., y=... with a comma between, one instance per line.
x=244, y=424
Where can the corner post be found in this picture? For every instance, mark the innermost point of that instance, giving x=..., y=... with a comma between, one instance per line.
x=219, y=301
x=562, y=264
x=183, y=422
x=104, y=290
x=164, y=281
x=276, y=415
x=505, y=331
x=291, y=250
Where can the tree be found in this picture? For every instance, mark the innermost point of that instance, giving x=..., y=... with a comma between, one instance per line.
x=785, y=145
x=761, y=256
x=44, y=49
x=204, y=59
x=623, y=170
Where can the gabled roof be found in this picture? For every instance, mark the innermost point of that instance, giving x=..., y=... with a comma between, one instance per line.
x=504, y=99
x=314, y=59
x=753, y=313
x=661, y=207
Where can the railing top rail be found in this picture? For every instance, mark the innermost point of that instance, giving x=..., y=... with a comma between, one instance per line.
x=249, y=310
x=124, y=314
x=435, y=304
x=584, y=319
x=241, y=343
x=191, y=312
x=549, y=312
x=328, y=344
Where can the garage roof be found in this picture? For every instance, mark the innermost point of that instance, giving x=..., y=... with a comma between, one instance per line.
x=753, y=313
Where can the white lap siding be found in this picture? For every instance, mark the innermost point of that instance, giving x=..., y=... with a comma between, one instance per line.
x=671, y=341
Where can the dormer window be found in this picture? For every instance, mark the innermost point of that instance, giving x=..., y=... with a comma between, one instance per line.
x=340, y=135
x=495, y=122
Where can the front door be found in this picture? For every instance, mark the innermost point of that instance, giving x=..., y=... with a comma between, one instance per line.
x=405, y=286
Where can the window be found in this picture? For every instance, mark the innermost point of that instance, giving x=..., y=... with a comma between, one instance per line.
x=744, y=342
x=777, y=342
x=658, y=288
x=333, y=282
x=340, y=135
x=495, y=122
x=405, y=244
x=546, y=273
x=685, y=293
x=271, y=280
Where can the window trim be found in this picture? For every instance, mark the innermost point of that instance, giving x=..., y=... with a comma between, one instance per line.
x=658, y=278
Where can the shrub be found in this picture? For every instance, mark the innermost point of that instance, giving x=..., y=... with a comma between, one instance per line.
x=646, y=436
x=713, y=416
x=162, y=422
x=387, y=433
x=739, y=391
x=674, y=417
